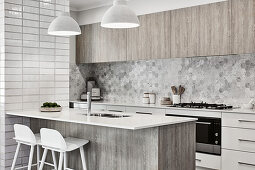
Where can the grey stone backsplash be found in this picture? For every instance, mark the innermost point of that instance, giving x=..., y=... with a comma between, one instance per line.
x=216, y=79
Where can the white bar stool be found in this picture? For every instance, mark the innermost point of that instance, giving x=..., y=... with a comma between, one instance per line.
x=54, y=141
x=25, y=136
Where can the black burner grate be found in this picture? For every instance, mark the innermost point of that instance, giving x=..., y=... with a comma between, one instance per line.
x=203, y=105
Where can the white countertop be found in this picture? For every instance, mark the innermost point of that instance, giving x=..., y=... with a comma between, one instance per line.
x=134, y=122
x=234, y=110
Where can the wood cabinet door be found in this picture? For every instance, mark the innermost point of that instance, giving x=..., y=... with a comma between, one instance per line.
x=242, y=26
x=214, y=29
x=152, y=39
x=97, y=44
x=201, y=30
x=112, y=45
x=184, y=32
x=86, y=44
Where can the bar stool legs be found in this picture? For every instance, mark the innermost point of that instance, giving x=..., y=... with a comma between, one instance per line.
x=43, y=158
x=30, y=157
x=38, y=156
x=83, y=160
x=65, y=161
x=15, y=156
x=61, y=158
x=54, y=160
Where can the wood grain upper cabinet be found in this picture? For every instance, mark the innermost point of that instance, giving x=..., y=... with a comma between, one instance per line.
x=152, y=39
x=97, y=44
x=242, y=26
x=200, y=31
x=86, y=44
x=112, y=45
x=184, y=32
x=214, y=29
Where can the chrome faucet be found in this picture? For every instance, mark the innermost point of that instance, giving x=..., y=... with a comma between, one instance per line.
x=89, y=103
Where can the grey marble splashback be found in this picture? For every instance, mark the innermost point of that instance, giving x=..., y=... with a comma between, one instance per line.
x=217, y=79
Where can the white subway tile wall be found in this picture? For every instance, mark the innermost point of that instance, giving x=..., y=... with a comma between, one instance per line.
x=34, y=66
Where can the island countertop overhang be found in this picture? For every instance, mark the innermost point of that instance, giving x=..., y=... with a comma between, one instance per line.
x=134, y=122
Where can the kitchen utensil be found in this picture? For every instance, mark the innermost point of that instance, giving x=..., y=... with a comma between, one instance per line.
x=95, y=92
x=181, y=90
x=90, y=85
x=174, y=90
x=84, y=96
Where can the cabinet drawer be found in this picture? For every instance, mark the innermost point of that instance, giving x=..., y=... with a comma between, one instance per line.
x=200, y=113
x=80, y=105
x=208, y=161
x=145, y=110
x=235, y=160
x=116, y=108
x=238, y=120
x=238, y=139
x=96, y=107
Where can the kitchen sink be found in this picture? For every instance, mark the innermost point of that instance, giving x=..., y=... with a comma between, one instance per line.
x=108, y=115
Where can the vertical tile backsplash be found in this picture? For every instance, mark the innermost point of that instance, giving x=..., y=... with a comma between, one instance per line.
x=34, y=66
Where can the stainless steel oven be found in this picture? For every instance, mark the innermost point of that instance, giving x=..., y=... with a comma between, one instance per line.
x=208, y=134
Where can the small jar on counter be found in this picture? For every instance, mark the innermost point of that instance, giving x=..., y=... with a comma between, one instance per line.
x=146, y=100
x=152, y=97
x=145, y=94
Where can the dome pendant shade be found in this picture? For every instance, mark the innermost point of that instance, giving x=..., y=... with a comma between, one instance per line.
x=120, y=16
x=64, y=25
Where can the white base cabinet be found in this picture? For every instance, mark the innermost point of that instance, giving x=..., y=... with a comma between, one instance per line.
x=207, y=162
x=146, y=110
x=236, y=160
x=238, y=139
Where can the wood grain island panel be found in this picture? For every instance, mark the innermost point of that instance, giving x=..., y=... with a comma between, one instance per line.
x=157, y=148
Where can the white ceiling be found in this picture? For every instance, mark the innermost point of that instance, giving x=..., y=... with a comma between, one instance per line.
x=80, y=5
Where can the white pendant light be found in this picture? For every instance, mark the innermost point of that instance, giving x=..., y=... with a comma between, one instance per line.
x=64, y=25
x=120, y=16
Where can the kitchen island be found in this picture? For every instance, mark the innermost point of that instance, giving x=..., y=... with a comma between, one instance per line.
x=135, y=142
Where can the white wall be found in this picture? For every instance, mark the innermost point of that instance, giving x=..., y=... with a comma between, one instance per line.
x=34, y=66
x=141, y=7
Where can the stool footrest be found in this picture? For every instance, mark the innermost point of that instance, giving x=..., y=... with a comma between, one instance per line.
x=23, y=167
x=47, y=163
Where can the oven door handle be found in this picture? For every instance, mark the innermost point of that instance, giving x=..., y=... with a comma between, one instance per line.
x=246, y=140
x=248, y=164
x=247, y=121
x=199, y=160
x=204, y=123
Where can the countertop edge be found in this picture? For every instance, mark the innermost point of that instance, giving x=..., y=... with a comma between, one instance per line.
x=101, y=124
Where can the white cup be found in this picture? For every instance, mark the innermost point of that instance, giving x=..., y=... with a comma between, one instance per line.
x=176, y=99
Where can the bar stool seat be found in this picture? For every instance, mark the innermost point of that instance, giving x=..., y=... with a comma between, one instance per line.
x=54, y=141
x=38, y=138
x=74, y=143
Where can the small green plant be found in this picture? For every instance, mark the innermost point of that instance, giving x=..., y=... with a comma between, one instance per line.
x=50, y=104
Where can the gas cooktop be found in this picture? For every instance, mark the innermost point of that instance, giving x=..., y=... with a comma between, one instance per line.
x=202, y=105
